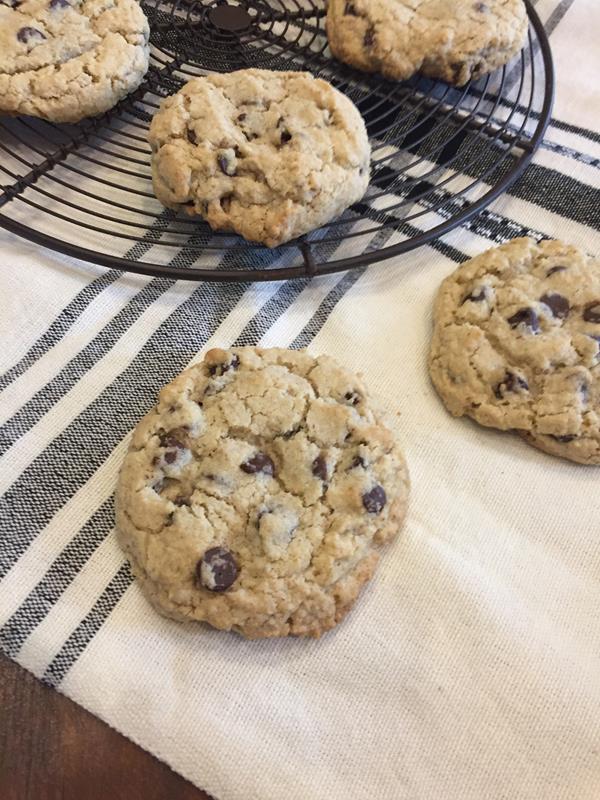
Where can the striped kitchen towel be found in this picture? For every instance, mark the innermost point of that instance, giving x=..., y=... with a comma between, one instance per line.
x=469, y=669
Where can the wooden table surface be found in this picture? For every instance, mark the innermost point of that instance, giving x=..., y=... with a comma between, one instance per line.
x=51, y=749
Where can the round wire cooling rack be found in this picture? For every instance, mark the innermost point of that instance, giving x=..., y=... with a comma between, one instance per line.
x=439, y=154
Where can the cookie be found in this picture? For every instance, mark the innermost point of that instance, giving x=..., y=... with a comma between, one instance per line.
x=63, y=60
x=516, y=345
x=453, y=40
x=268, y=155
x=257, y=492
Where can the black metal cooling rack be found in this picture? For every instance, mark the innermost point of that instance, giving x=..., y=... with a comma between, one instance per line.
x=440, y=154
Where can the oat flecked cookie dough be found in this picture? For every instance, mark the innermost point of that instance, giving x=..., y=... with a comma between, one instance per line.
x=516, y=345
x=454, y=40
x=268, y=155
x=257, y=492
x=63, y=60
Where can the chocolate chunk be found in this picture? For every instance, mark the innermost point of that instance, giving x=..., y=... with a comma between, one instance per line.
x=591, y=313
x=218, y=369
x=170, y=456
x=217, y=569
x=226, y=164
x=570, y=437
x=286, y=136
x=357, y=461
x=526, y=317
x=558, y=304
x=353, y=398
x=191, y=136
x=258, y=463
x=319, y=468
x=173, y=438
x=554, y=270
x=374, y=500
x=369, y=37
x=510, y=383
x=26, y=34
x=476, y=296
x=350, y=10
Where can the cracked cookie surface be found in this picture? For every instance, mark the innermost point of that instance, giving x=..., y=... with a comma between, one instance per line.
x=516, y=345
x=453, y=40
x=257, y=492
x=268, y=155
x=64, y=60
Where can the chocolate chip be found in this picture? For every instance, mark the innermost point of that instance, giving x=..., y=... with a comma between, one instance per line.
x=258, y=463
x=285, y=137
x=357, y=461
x=564, y=439
x=191, y=136
x=26, y=34
x=350, y=10
x=476, y=296
x=510, y=383
x=526, y=317
x=553, y=270
x=352, y=397
x=558, y=305
x=218, y=369
x=319, y=468
x=170, y=456
x=374, y=500
x=591, y=313
x=369, y=37
x=217, y=569
x=59, y=4
x=173, y=438
x=226, y=164
x=242, y=116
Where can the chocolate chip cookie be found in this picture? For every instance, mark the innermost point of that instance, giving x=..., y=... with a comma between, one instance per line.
x=63, y=60
x=516, y=345
x=269, y=155
x=454, y=40
x=257, y=492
